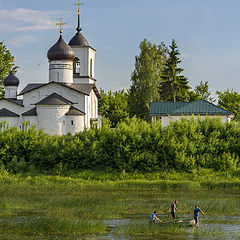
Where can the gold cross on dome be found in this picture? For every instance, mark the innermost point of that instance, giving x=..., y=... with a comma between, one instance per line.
x=60, y=24
x=78, y=4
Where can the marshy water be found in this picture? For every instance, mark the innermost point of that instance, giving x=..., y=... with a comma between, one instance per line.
x=105, y=211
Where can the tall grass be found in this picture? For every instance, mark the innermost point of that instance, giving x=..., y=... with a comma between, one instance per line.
x=68, y=206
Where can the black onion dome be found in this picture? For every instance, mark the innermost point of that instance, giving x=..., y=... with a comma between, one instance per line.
x=60, y=51
x=11, y=80
x=79, y=40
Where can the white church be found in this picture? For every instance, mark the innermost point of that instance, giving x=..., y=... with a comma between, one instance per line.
x=68, y=103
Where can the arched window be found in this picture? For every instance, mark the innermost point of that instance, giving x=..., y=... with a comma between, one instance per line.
x=76, y=66
x=91, y=67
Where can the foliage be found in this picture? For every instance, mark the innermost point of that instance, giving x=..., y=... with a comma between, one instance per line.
x=230, y=100
x=203, y=90
x=133, y=146
x=174, y=86
x=146, y=78
x=5, y=65
x=114, y=106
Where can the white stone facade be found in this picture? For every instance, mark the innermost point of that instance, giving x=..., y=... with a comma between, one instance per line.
x=67, y=103
x=61, y=71
x=165, y=120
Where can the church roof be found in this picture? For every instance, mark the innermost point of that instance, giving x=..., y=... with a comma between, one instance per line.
x=7, y=113
x=11, y=80
x=31, y=112
x=79, y=40
x=60, y=51
x=200, y=107
x=54, y=99
x=17, y=101
x=75, y=111
x=79, y=87
x=31, y=87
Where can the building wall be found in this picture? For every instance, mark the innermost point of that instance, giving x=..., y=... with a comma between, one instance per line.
x=51, y=118
x=11, y=121
x=91, y=105
x=74, y=124
x=33, y=120
x=61, y=71
x=86, y=55
x=18, y=109
x=165, y=120
x=11, y=92
x=40, y=93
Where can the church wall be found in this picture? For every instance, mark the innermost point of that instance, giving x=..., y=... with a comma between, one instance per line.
x=32, y=120
x=91, y=62
x=11, y=91
x=12, y=121
x=82, y=54
x=52, y=118
x=61, y=71
x=75, y=124
x=91, y=108
x=38, y=94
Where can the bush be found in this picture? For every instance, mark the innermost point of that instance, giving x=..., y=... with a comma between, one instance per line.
x=134, y=145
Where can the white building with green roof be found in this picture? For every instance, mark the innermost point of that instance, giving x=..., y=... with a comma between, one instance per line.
x=172, y=111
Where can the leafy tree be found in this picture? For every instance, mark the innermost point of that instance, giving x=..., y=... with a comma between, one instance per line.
x=203, y=90
x=6, y=65
x=114, y=106
x=230, y=100
x=175, y=86
x=146, y=78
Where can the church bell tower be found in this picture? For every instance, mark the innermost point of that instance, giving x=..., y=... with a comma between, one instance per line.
x=84, y=62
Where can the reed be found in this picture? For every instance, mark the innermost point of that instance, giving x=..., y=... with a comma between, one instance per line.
x=73, y=206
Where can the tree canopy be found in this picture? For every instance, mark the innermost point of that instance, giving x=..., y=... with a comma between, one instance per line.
x=146, y=78
x=203, y=90
x=230, y=100
x=174, y=86
x=114, y=106
x=6, y=65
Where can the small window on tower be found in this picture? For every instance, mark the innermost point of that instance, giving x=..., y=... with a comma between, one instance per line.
x=71, y=122
x=76, y=66
x=91, y=68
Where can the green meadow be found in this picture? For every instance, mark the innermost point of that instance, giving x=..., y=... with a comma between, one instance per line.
x=96, y=205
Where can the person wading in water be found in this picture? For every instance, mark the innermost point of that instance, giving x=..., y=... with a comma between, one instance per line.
x=197, y=210
x=174, y=209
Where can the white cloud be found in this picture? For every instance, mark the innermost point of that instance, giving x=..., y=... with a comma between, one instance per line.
x=22, y=40
x=25, y=20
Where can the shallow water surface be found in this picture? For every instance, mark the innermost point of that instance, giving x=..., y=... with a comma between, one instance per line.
x=121, y=214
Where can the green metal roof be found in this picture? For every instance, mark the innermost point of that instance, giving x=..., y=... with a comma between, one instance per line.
x=200, y=107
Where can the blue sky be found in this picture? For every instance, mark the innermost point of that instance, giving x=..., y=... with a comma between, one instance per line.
x=207, y=33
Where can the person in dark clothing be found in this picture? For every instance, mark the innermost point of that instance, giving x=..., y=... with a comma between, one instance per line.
x=174, y=209
x=197, y=210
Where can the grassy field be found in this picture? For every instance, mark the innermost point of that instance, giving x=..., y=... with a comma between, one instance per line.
x=92, y=204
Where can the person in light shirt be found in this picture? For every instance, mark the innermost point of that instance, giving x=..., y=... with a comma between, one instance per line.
x=153, y=217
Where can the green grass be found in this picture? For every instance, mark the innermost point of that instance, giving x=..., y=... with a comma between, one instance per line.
x=77, y=205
